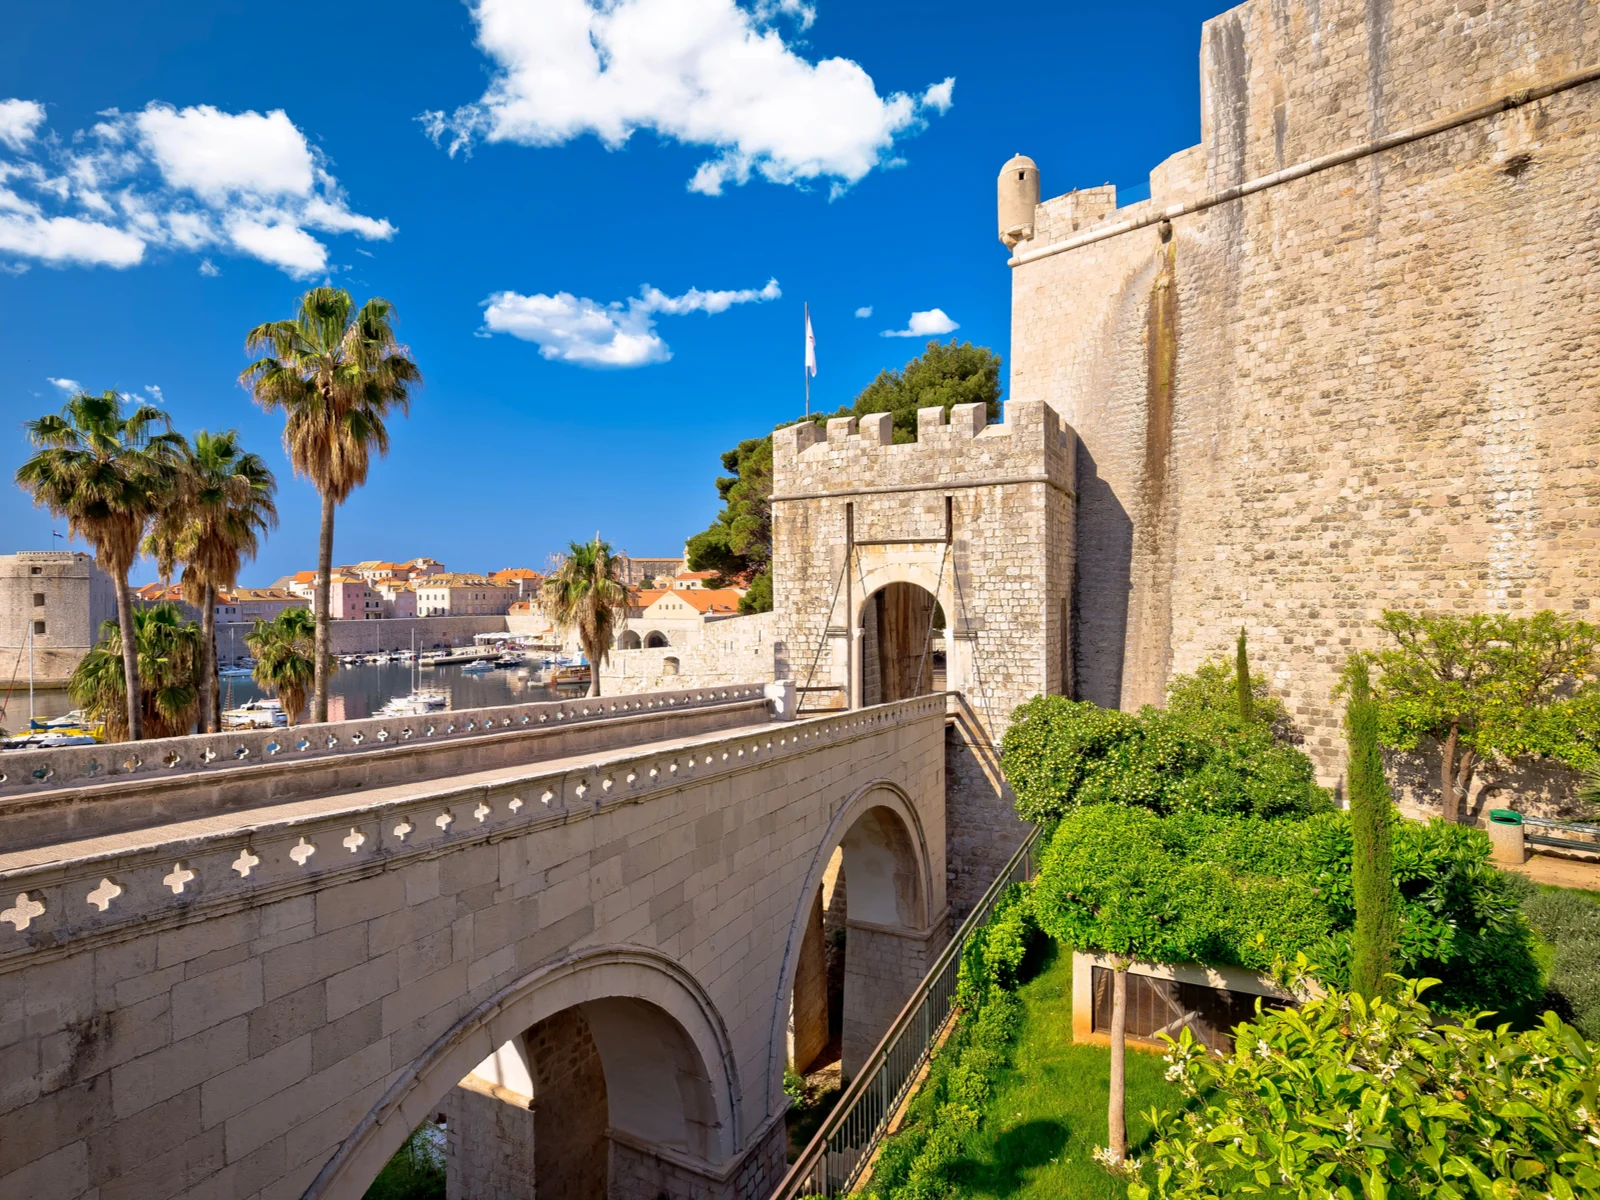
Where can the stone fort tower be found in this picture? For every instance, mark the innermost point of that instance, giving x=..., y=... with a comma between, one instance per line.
x=946, y=563
x=1346, y=357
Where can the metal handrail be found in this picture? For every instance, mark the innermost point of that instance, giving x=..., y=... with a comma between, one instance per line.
x=833, y=1161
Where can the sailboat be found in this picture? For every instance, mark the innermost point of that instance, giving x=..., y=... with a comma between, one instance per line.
x=419, y=701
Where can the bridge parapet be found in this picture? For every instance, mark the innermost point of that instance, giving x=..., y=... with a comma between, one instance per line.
x=59, y=900
x=34, y=771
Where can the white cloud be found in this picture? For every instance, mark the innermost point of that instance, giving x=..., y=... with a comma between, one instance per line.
x=701, y=72
x=864, y=311
x=19, y=122
x=209, y=268
x=925, y=324
x=575, y=329
x=188, y=179
x=216, y=154
x=154, y=392
x=70, y=386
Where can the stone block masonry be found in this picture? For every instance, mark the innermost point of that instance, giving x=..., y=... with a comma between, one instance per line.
x=1003, y=495
x=263, y=1004
x=1375, y=386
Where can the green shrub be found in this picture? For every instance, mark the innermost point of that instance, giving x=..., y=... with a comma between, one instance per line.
x=915, y=1163
x=1245, y=891
x=1061, y=754
x=1214, y=687
x=1343, y=1099
x=416, y=1172
x=1127, y=882
x=1570, y=922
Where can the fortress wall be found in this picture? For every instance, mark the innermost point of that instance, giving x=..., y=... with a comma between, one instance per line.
x=1377, y=386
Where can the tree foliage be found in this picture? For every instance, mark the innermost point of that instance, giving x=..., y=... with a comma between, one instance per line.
x=221, y=505
x=1061, y=754
x=107, y=470
x=1243, y=695
x=1489, y=686
x=1251, y=892
x=285, y=652
x=338, y=374
x=1342, y=1099
x=585, y=594
x=168, y=651
x=738, y=544
x=942, y=376
x=1127, y=882
x=1374, y=939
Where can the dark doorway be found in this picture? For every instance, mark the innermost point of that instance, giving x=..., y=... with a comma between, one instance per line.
x=902, y=645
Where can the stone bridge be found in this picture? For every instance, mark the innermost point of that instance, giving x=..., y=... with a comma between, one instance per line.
x=589, y=933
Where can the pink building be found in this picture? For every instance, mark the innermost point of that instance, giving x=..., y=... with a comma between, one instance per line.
x=398, y=599
x=351, y=599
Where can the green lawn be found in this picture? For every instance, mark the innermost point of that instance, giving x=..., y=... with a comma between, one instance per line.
x=1049, y=1109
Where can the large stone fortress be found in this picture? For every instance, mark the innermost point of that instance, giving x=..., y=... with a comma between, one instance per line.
x=1347, y=355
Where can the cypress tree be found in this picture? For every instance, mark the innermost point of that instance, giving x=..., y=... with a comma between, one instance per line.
x=1376, y=938
x=1241, y=681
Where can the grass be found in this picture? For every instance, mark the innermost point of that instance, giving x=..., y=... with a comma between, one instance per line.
x=1049, y=1109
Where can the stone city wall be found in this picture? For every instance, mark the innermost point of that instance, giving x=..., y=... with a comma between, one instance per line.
x=394, y=633
x=1375, y=386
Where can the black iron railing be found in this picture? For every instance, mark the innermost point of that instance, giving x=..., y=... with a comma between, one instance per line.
x=842, y=1148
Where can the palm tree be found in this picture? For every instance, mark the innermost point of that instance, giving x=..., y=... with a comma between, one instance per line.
x=337, y=373
x=585, y=594
x=285, y=650
x=168, y=650
x=222, y=507
x=102, y=468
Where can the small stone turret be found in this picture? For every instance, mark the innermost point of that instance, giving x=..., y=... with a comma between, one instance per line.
x=1018, y=197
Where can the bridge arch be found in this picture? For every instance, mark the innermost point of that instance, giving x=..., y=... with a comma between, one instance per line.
x=889, y=873
x=619, y=985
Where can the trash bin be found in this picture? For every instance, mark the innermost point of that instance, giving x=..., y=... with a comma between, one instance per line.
x=1505, y=836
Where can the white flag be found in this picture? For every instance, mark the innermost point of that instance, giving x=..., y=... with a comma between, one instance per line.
x=811, y=345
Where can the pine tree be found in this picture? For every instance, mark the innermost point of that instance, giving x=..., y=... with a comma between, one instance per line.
x=1241, y=681
x=1376, y=936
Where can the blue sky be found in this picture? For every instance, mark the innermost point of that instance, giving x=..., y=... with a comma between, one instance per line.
x=175, y=173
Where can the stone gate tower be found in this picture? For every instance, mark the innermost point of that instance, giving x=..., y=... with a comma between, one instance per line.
x=873, y=543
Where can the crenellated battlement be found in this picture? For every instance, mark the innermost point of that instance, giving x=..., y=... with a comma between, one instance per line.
x=1033, y=444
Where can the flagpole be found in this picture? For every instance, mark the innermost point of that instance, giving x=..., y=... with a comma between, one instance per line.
x=805, y=368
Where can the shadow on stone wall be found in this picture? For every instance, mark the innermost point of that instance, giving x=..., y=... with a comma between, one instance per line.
x=1101, y=587
x=1535, y=788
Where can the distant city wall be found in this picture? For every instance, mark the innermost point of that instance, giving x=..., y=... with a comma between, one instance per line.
x=1375, y=386
x=365, y=637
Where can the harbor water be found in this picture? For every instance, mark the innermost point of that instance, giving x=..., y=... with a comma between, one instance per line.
x=354, y=692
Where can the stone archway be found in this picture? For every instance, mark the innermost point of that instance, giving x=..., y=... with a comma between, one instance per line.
x=902, y=644
x=582, y=1105
x=871, y=883
x=655, y=639
x=629, y=640
x=900, y=581
x=672, y=1094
